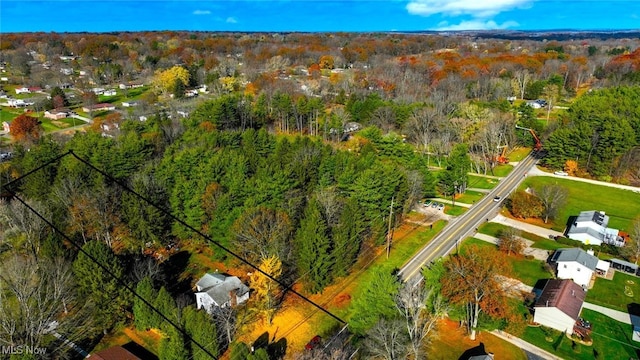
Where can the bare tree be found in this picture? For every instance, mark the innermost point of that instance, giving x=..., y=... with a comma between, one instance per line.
x=553, y=198
x=387, y=340
x=262, y=232
x=419, y=322
x=38, y=298
x=510, y=241
x=521, y=79
x=25, y=229
x=422, y=129
x=384, y=118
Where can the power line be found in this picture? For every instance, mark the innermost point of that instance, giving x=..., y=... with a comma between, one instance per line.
x=207, y=238
x=109, y=272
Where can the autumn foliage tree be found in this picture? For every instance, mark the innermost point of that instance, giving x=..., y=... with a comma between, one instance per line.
x=524, y=205
x=470, y=281
x=25, y=128
x=266, y=290
x=165, y=81
x=509, y=241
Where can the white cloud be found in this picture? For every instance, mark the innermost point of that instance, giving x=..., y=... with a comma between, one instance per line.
x=475, y=25
x=231, y=20
x=202, y=12
x=475, y=8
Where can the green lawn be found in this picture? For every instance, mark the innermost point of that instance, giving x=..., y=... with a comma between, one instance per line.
x=502, y=170
x=519, y=154
x=454, y=210
x=529, y=271
x=622, y=206
x=494, y=229
x=470, y=197
x=611, y=340
x=610, y=293
x=481, y=182
x=8, y=115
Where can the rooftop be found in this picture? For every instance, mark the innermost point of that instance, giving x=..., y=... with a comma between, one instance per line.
x=565, y=295
x=577, y=255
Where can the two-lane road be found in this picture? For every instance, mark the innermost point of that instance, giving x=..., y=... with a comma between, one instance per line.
x=466, y=224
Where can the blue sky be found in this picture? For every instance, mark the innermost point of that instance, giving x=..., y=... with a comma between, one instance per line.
x=316, y=15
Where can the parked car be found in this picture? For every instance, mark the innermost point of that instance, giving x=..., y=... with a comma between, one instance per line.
x=561, y=173
x=441, y=206
x=427, y=203
x=313, y=343
x=434, y=205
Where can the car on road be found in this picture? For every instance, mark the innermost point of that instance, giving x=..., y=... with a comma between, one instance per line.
x=497, y=198
x=561, y=173
x=434, y=205
x=441, y=206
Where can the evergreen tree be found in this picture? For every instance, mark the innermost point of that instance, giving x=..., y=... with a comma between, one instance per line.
x=172, y=346
x=145, y=317
x=240, y=351
x=167, y=307
x=347, y=238
x=313, y=249
x=378, y=300
x=200, y=327
x=98, y=286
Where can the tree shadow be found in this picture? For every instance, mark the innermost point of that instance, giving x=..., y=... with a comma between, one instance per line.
x=275, y=349
x=570, y=222
x=172, y=268
x=474, y=351
x=139, y=351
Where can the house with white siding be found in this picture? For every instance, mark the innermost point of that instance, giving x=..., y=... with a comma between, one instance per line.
x=590, y=227
x=559, y=305
x=220, y=290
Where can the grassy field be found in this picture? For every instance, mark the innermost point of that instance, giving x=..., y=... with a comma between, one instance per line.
x=451, y=342
x=454, y=210
x=518, y=154
x=502, y=170
x=611, y=340
x=622, y=206
x=482, y=182
x=529, y=271
x=8, y=115
x=611, y=294
x=470, y=197
x=494, y=230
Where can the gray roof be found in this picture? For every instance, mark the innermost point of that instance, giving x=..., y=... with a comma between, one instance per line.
x=220, y=286
x=597, y=217
x=585, y=230
x=578, y=255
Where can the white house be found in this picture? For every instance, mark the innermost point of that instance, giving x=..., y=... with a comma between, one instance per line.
x=16, y=102
x=559, y=305
x=109, y=92
x=130, y=103
x=6, y=126
x=56, y=114
x=220, y=290
x=23, y=90
x=577, y=265
x=590, y=227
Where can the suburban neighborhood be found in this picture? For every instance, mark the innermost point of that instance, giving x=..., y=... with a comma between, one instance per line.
x=196, y=195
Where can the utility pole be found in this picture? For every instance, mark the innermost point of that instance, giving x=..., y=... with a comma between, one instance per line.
x=389, y=228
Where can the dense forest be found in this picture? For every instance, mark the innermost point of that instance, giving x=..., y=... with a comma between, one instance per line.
x=305, y=151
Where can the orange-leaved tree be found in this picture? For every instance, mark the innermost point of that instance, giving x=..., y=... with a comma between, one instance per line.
x=470, y=280
x=25, y=128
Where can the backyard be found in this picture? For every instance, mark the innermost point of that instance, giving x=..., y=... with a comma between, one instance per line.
x=615, y=293
x=611, y=340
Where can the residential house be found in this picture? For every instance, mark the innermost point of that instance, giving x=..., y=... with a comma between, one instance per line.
x=23, y=90
x=66, y=71
x=6, y=126
x=577, y=265
x=220, y=290
x=16, y=102
x=559, y=305
x=56, y=114
x=109, y=92
x=130, y=103
x=590, y=227
x=130, y=85
x=625, y=266
x=99, y=107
